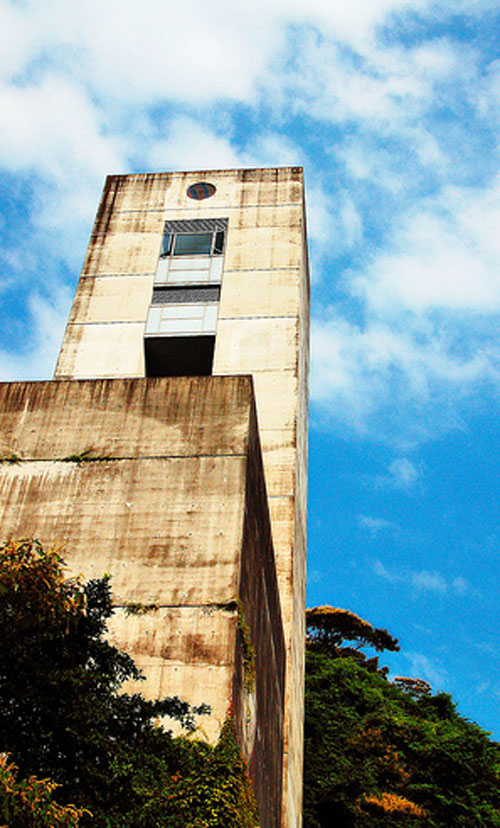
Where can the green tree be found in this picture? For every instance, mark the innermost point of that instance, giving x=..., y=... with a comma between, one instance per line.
x=27, y=803
x=391, y=754
x=62, y=715
x=329, y=628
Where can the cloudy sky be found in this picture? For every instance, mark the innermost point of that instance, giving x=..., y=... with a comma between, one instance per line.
x=393, y=108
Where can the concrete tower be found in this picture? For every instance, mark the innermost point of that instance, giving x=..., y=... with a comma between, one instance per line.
x=189, y=336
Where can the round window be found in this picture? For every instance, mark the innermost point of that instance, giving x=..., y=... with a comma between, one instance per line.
x=200, y=190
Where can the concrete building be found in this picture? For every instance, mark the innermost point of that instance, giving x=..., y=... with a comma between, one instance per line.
x=177, y=462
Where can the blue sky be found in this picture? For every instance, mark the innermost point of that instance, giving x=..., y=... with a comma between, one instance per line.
x=393, y=108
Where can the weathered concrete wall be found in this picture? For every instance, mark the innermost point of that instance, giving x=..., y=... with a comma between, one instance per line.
x=262, y=329
x=170, y=500
x=260, y=599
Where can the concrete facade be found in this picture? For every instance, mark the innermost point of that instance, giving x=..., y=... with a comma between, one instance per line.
x=170, y=500
x=253, y=298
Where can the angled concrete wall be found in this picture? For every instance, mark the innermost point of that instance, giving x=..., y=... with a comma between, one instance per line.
x=171, y=501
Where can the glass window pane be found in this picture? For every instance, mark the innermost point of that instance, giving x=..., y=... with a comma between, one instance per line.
x=192, y=244
x=165, y=245
x=219, y=242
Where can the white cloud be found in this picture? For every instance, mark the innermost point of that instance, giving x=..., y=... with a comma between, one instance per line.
x=189, y=145
x=375, y=526
x=421, y=666
x=190, y=52
x=460, y=585
x=55, y=137
x=380, y=373
x=47, y=320
x=403, y=474
x=314, y=576
x=380, y=570
x=385, y=89
x=422, y=580
x=429, y=581
x=271, y=149
x=54, y=128
x=428, y=299
x=186, y=51
x=331, y=224
x=133, y=52
x=444, y=256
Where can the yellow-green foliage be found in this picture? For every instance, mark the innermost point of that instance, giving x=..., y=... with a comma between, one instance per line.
x=34, y=579
x=87, y=456
x=390, y=803
x=11, y=459
x=248, y=651
x=140, y=609
x=215, y=791
x=28, y=803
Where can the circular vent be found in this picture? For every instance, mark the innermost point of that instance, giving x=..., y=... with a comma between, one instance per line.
x=200, y=190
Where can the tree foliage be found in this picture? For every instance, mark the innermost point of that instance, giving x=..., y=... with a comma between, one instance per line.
x=29, y=802
x=63, y=718
x=391, y=754
x=329, y=628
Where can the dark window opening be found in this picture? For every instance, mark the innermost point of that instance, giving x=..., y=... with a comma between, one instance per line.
x=185, y=294
x=179, y=356
x=219, y=242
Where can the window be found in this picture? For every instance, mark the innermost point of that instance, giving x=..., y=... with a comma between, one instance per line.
x=201, y=190
x=194, y=237
x=184, y=294
x=179, y=356
x=193, y=244
x=179, y=336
